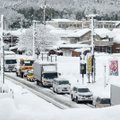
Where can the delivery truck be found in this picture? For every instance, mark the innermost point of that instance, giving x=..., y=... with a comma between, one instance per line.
x=45, y=72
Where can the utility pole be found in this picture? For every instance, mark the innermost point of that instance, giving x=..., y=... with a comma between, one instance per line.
x=34, y=27
x=2, y=53
x=92, y=45
x=44, y=13
x=34, y=37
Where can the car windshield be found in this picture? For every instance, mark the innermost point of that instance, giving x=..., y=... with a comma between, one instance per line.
x=63, y=82
x=11, y=61
x=50, y=75
x=83, y=90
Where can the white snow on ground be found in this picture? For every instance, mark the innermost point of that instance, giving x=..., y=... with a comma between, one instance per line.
x=27, y=106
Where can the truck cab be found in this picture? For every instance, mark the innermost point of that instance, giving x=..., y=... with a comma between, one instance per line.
x=10, y=61
x=47, y=78
x=45, y=72
x=10, y=64
x=23, y=66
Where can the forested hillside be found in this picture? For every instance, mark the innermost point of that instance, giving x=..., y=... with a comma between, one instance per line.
x=22, y=12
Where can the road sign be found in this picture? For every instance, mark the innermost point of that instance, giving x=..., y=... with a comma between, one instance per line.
x=83, y=68
x=113, y=67
x=89, y=64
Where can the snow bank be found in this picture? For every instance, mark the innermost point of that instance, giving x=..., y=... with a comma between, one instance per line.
x=7, y=108
x=8, y=111
x=110, y=113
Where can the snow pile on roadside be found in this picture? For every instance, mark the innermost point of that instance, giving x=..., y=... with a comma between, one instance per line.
x=109, y=113
x=8, y=111
x=7, y=108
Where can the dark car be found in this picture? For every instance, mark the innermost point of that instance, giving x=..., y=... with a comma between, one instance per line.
x=55, y=52
x=102, y=102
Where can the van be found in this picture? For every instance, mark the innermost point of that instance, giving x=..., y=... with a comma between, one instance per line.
x=61, y=85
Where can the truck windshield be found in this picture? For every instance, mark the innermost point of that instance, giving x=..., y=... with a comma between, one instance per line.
x=28, y=62
x=11, y=61
x=63, y=82
x=83, y=90
x=50, y=75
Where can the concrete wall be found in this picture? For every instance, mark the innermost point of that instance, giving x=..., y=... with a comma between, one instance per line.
x=115, y=95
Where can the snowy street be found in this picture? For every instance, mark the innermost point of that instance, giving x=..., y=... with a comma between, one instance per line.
x=59, y=59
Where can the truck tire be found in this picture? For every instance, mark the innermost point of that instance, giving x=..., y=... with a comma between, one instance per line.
x=21, y=74
x=38, y=83
x=17, y=74
x=91, y=102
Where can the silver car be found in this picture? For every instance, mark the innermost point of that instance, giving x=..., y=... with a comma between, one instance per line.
x=61, y=85
x=81, y=94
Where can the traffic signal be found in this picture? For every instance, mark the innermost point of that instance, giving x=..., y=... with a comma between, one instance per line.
x=82, y=68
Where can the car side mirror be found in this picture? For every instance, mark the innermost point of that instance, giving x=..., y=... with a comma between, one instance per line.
x=59, y=73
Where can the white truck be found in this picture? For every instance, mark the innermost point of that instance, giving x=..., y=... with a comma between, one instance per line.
x=45, y=72
x=10, y=63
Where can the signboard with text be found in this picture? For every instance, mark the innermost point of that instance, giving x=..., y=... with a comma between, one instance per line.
x=113, y=67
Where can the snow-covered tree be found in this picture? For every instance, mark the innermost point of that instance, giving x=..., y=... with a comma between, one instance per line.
x=44, y=40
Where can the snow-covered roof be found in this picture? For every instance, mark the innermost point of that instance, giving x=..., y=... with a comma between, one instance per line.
x=117, y=23
x=61, y=20
x=82, y=49
x=74, y=46
x=78, y=33
x=45, y=62
x=16, y=32
x=102, y=32
x=61, y=32
x=117, y=39
x=115, y=34
x=14, y=47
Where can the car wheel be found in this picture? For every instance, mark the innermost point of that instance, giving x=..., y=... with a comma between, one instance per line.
x=77, y=101
x=91, y=102
x=57, y=91
x=72, y=98
x=54, y=90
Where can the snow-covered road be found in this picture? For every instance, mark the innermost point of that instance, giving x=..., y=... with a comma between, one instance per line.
x=48, y=94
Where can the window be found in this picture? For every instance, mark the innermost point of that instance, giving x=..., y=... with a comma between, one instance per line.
x=63, y=82
x=83, y=90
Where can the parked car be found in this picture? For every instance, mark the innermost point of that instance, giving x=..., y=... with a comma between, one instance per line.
x=55, y=52
x=81, y=94
x=61, y=85
x=30, y=75
x=102, y=102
